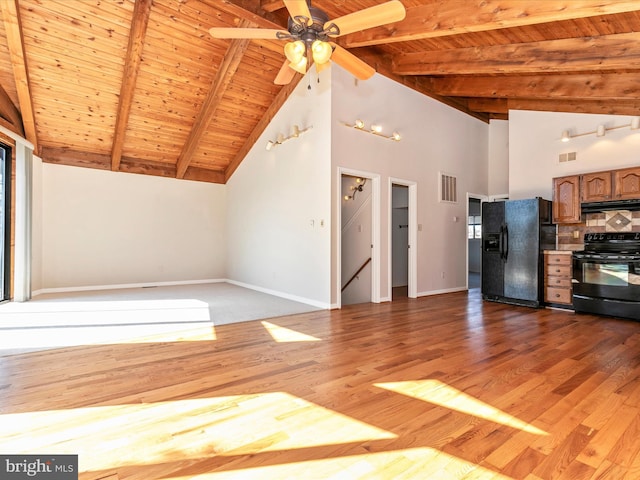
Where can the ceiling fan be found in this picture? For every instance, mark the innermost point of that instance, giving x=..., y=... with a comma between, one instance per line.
x=310, y=33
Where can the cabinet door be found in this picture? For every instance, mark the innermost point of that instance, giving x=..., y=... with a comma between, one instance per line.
x=596, y=187
x=566, y=199
x=627, y=183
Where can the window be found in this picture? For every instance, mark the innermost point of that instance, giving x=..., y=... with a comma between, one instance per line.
x=475, y=227
x=5, y=220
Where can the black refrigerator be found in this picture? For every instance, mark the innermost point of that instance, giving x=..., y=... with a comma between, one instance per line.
x=514, y=235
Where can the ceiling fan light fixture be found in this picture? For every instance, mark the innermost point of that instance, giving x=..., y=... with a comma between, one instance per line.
x=300, y=66
x=321, y=51
x=294, y=51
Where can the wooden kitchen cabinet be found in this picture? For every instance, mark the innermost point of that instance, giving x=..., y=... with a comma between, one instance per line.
x=566, y=199
x=626, y=183
x=596, y=187
x=557, y=278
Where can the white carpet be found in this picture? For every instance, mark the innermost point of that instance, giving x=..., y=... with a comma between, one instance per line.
x=142, y=314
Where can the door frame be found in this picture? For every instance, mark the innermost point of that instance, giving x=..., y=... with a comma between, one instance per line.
x=375, y=232
x=412, y=260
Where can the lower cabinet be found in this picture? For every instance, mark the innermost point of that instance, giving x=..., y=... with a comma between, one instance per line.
x=557, y=278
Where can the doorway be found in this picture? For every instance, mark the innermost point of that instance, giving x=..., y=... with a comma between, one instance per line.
x=402, y=239
x=474, y=240
x=356, y=239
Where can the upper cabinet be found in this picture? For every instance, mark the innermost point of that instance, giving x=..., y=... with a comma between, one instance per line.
x=566, y=199
x=569, y=192
x=596, y=187
x=627, y=183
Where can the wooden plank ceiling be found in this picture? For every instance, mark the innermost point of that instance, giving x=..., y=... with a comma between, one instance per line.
x=142, y=87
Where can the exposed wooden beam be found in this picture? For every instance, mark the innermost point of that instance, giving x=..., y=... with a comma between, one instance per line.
x=489, y=105
x=271, y=5
x=65, y=156
x=282, y=96
x=139, y=22
x=602, y=53
x=13, y=28
x=10, y=113
x=603, y=86
x=451, y=17
x=251, y=11
x=604, y=107
x=221, y=82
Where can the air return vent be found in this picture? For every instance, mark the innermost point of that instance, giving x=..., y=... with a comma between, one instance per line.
x=567, y=157
x=448, y=188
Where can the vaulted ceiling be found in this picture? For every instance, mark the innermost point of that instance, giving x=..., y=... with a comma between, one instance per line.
x=142, y=87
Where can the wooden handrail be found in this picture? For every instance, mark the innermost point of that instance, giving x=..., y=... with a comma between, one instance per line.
x=356, y=274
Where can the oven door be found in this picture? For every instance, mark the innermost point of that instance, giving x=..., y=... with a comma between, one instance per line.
x=607, y=276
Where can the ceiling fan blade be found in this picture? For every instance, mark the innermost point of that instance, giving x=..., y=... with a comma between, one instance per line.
x=298, y=8
x=351, y=63
x=389, y=12
x=251, y=33
x=285, y=75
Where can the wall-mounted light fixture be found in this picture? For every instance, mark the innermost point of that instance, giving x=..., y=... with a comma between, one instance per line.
x=601, y=130
x=280, y=139
x=375, y=129
x=360, y=182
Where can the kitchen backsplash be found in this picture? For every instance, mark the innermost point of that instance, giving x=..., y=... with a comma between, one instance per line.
x=612, y=221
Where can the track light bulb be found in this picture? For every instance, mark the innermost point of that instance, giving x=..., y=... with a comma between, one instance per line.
x=565, y=136
x=396, y=136
x=635, y=123
x=359, y=124
x=376, y=128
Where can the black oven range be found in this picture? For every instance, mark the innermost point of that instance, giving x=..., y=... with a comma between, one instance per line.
x=606, y=275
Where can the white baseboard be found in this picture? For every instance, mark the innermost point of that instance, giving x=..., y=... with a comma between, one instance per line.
x=123, y=286
x=275, y=293
x=439, y=292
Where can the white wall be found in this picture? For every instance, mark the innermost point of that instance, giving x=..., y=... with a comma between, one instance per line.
x=435, y=138
x=498, y=157
x=279, y=216
x=534, y=147
x=101, y=228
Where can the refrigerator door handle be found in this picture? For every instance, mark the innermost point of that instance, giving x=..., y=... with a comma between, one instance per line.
x=506, y=242
x=501, y=245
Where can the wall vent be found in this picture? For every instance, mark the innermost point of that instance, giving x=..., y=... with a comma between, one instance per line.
x=568, y=157
x=448, y=188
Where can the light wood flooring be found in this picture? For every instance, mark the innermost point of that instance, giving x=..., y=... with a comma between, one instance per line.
x=442, y=387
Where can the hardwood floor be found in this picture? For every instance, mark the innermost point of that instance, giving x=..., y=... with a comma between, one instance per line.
x=443, y=387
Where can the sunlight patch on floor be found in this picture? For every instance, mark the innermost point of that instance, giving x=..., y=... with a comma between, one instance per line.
x=439, y=393
x=409, y=464
x=30, y=326
x=107, y=437
x=283, y=335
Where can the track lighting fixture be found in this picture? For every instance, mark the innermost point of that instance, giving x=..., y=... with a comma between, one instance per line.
x=280, y=139
x=375, y=129
x=601, y=130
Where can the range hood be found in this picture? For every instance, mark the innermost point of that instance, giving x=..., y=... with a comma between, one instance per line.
x=593, y=207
